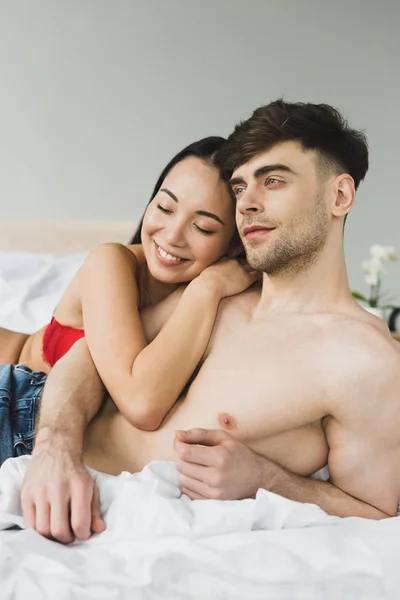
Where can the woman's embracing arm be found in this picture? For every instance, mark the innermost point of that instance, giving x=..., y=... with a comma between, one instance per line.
x=145, y=379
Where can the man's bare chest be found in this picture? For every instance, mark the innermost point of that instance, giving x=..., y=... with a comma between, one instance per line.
x=264, y=352
x=254, y=377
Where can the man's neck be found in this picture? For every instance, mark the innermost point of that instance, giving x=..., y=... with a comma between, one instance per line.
x=322, y=287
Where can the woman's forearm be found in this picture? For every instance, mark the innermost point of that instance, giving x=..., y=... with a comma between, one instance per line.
x=162, y=369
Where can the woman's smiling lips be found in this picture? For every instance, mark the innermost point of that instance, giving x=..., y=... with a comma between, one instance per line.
x=255, y=231
x=166, y=258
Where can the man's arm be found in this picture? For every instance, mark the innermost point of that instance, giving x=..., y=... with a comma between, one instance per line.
x=323, y=493
x=72, y=396
x=59, y=497
x=214, y=464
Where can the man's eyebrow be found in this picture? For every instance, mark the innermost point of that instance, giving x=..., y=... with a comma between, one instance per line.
x=203, y=213
x=263, y=171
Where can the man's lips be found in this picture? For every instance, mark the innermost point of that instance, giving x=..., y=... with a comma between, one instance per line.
x=256, y=231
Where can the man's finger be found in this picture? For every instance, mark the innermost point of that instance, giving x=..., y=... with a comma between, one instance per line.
x=29, y=513
x=42, y=517
x=59, y=520
x=192, y=470
x=97, y=524
x=206, y=437
x=199, y=488
x=192, y=495
x=81, y=515
x=201, y=455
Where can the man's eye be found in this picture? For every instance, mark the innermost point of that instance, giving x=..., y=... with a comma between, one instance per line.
x=164, y=210
x=273, y=181
x=237, y=191
x=205, y=231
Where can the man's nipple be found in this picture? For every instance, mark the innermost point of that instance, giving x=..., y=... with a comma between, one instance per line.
x=226, y=421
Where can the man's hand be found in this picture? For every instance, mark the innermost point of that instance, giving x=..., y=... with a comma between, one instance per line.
x=213, y=464
x=59, y=497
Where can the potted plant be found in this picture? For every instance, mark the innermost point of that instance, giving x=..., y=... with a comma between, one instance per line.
x=373, y=268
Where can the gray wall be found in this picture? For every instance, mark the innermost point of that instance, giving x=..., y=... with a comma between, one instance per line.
x=96, y=96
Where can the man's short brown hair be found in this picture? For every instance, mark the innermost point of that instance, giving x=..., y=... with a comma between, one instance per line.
x=318, y=127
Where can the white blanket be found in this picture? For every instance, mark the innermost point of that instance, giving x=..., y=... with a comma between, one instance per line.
x=31, y=286
x=159, y=544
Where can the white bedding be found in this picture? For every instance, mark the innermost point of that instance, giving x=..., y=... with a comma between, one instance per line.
x=159, y=544
x=31, y=285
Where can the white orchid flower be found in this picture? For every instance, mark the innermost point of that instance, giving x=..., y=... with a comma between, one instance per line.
x=373, y=269
x=386, y=253
x=378, y=251
x=372, y=278
x=391, y=254
x=373, y=266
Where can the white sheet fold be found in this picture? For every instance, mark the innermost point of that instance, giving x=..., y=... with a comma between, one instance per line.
x=159, y=544
x=31, y=286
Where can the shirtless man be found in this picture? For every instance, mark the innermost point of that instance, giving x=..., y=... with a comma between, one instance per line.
x=295, y=376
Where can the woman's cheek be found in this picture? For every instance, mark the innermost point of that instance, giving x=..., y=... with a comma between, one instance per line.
x=209, y=252
x=151, y=222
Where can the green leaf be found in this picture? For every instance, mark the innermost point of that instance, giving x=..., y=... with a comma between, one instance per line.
x=359, y=296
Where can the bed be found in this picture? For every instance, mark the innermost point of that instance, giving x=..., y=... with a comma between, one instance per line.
x=159, y=544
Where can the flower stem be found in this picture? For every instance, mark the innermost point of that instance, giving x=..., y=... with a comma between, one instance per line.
x=374, y=294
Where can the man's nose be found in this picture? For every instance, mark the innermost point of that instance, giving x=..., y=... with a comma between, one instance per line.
x=249, y=203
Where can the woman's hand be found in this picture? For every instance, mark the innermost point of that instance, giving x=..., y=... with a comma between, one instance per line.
x=228, y=276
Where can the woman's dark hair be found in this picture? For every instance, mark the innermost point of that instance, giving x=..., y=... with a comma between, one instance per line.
x=205, y=149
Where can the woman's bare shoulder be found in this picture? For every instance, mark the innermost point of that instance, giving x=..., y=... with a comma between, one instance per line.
x=137, y=251
x=103, y=253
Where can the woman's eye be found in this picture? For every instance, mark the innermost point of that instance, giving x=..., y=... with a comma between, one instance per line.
x=164, y=210
x=205, y=231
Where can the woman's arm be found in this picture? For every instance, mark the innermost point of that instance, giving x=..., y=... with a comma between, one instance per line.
x=146, y=380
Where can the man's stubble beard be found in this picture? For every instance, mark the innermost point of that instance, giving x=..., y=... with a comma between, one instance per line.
x=298, y=247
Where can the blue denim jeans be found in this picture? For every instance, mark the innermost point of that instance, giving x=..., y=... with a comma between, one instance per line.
x=20, y=393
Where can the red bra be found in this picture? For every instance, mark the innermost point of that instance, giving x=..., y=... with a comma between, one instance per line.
x=58, y=338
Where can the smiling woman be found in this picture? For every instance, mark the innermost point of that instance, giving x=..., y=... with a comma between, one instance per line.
x=189, y=224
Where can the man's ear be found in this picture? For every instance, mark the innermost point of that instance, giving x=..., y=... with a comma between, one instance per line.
x=344, y=195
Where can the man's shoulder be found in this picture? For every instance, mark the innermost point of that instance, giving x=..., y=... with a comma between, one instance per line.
x=362, y=346
x=244, y=303
x=363, y=333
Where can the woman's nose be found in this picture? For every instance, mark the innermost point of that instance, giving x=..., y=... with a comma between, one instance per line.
x=174, y=234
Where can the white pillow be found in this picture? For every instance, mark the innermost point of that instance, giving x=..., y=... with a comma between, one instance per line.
x=31, y=286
